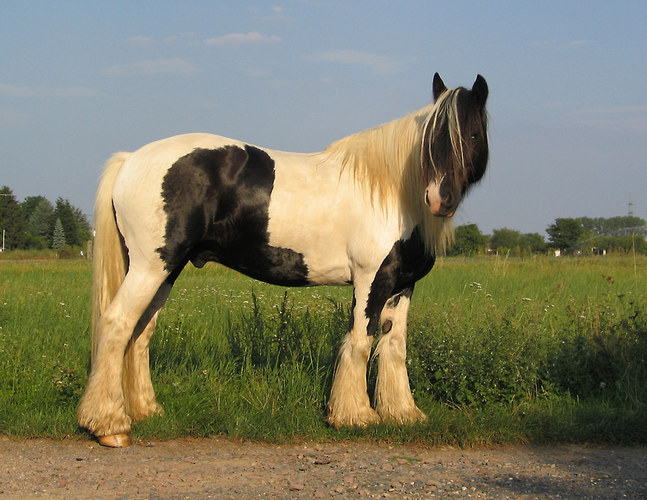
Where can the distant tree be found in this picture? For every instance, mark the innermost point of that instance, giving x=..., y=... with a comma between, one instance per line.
x=75, y=224
x=58, y=239
x=505, y=239
x=565, y=233
x=65, y=213
x=614, y=226
x=30, y=203
x=41, y=223
x=533, y=242
x=84, y=228
x=628, y=243
x=12, y=221
x=468, y=240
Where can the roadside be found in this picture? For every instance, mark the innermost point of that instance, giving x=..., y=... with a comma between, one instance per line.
x=223, y=468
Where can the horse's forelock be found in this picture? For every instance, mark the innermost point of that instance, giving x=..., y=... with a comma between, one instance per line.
x=445, y=152
x=442, y=138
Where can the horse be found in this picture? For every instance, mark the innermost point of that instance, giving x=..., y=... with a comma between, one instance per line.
x=372, y=210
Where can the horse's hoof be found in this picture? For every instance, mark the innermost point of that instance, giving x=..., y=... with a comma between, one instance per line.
x=116, y=441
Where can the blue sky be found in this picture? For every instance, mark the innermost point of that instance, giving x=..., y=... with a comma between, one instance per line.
x=568, y=89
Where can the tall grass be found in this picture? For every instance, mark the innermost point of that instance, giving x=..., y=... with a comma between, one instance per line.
x=499, y=351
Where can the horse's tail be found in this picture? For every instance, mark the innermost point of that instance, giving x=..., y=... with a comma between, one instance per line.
x=110, y=260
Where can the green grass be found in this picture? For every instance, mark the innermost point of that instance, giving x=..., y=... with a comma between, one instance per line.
x=500, y=351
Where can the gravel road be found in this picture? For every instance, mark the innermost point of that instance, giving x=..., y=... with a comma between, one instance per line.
x=224, y=468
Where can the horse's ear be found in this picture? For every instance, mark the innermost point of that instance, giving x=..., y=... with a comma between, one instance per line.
x=480, y=90
x=438, y=86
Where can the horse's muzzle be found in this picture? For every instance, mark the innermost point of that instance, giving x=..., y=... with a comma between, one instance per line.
x=439, y=207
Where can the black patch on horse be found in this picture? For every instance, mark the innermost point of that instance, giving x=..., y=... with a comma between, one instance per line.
x=405, y=264
x=216, y=203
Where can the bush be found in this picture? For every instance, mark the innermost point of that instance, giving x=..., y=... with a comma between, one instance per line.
x=478, y=367
x=67, y=252
x=606, y=356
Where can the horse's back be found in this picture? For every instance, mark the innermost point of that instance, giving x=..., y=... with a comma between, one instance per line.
x=286, y=218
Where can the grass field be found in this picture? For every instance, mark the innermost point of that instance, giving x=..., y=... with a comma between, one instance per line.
x=500, y=351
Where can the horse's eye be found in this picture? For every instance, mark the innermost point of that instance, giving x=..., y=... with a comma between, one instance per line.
x=474, y=136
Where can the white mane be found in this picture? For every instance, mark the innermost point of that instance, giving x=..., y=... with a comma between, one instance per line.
x=388, y=161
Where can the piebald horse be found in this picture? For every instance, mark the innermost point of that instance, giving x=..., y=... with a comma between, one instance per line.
x=372, y=210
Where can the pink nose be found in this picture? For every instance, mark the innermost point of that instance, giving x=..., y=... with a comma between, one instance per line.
x=433, y=200
x=435, y=204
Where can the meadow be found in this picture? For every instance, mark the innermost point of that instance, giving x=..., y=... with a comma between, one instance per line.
x=500, y=351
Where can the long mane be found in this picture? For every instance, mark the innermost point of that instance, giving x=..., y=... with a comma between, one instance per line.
x=389, y=162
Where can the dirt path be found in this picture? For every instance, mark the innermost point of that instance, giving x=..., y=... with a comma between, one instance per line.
x=222, y=468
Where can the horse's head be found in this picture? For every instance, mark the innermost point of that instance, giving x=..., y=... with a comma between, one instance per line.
x=455, y=145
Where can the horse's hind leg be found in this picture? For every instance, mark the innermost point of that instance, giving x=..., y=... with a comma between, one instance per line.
x=102, y=408
x=138, y=389
x=393, y=398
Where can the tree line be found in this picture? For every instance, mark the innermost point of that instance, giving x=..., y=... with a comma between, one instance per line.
x=571, y=236
x=36, y=223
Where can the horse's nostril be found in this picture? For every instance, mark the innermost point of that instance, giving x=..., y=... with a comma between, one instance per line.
x=448, y=200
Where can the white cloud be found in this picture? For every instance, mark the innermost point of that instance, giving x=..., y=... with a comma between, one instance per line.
x=242, y=38
x=277, y=12
x=30, y=91
x=379, y=64
x=150, y=67
x=274, y=13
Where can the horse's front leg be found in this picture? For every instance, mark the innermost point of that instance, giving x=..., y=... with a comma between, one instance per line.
x=349, y=403
x=393, y=399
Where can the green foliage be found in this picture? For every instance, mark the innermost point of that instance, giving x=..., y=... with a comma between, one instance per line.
x=468, y=241
x=589, y=236
x=478, y=368
x=30, y=203
x=41, y=219
x=533, y=243
x=614, y=226
x=31, y=224
x=76, y=234
x=500, y=350
x=58, y=238
x=564, y=233
x=505, y=239
x=623, y=245
x=12, y=221
x=609, y=359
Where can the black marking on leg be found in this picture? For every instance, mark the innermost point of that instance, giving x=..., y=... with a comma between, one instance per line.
x=352, y=312
x=393, y=302
x=405, y=264
x=217, y=207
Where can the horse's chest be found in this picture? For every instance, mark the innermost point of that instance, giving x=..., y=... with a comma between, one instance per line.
x=407, y=262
